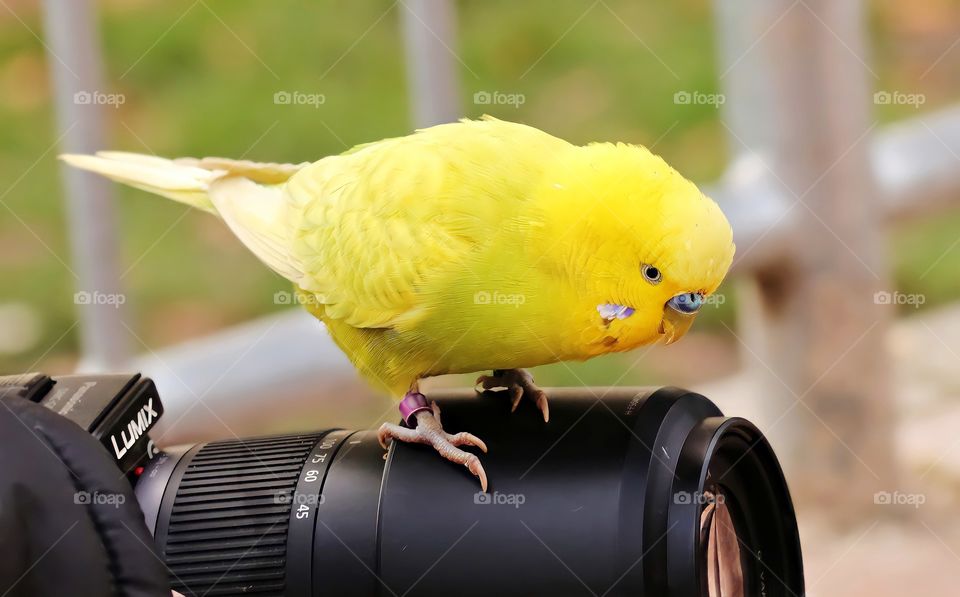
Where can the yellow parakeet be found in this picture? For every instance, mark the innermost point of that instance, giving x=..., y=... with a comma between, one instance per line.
x=476, y=245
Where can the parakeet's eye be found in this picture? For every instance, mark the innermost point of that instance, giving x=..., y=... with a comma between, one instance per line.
x=652, y=274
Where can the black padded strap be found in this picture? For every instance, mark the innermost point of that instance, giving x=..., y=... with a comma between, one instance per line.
x=69, y=521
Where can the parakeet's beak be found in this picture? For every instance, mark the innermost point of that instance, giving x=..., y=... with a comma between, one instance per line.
x=678, y=315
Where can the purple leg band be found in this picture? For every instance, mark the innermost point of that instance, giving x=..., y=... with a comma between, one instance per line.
x=412, y=403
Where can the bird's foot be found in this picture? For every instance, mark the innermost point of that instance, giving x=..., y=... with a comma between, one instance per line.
x=520, y=384
x=426, y=429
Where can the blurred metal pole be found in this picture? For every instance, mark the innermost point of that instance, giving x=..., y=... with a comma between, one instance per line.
x=76, y=70
x=429, y=31
x=799, y=98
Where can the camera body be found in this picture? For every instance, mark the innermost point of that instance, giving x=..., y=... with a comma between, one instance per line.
x=118, y=410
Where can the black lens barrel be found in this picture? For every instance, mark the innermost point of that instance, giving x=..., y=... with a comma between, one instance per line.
x=604, y=499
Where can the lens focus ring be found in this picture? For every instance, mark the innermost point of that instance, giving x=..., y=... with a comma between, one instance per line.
x=228, y=521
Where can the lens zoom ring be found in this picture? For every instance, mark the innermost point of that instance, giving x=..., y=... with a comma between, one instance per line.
x=228, y=526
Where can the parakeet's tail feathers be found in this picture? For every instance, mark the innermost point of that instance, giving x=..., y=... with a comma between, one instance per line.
x=246, y=195
x=183, y=183
x=186, y=180
x=262, y=172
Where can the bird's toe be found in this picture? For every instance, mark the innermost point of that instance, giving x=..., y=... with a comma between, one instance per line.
x=467, y=439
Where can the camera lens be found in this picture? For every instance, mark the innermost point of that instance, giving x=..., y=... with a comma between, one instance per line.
x=634, y=492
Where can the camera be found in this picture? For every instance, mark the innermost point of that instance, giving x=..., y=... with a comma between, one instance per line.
x=118, y=410
x=626, y=491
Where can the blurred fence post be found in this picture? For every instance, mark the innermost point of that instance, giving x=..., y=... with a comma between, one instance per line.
x=798, y=98
x=76, y=69
x=429, y=30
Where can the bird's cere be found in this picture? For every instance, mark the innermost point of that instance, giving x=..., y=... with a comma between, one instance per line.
x=610, y=311
x=688, y=302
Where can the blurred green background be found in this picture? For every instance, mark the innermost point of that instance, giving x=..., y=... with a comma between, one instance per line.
x=199, y=82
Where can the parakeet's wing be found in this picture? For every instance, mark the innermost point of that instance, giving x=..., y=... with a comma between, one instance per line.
x=371, y=233
x=384, y=225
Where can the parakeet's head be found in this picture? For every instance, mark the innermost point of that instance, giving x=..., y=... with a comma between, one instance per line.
x=641, y=246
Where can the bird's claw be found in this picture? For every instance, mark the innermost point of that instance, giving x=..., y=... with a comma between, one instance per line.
x=519, y=383
x=429, y=431
x=466, y=439
x=473, y=465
